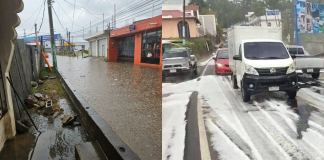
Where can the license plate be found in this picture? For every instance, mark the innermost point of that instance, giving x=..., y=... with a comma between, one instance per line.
x=310, y=70
x=275, y=88
x=173, y=71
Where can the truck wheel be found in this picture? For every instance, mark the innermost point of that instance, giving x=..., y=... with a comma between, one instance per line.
x=196, y=71
x=316, y=75
x=292, y=94
x=245, y=95
x=234, y=82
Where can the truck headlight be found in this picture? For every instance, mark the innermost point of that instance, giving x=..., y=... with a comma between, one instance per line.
x=291, y=69
x=250, y=70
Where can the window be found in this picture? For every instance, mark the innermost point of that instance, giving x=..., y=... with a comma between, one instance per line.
x=3, y=103
x=151, y=47
x=180, y=29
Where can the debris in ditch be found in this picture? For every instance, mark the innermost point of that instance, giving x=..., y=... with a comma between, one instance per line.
x=39, y=96
x=48, y=111
x=68, y=119
x=40, y=82
x=42, y=104
x=76, y=123
x=44, y=77
x=52, y=77
x=30, y=101
x=33, y=84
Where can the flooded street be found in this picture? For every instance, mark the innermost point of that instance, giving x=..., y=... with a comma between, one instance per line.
x=128, y=97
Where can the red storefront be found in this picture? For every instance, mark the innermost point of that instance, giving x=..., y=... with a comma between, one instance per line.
x=139, y=42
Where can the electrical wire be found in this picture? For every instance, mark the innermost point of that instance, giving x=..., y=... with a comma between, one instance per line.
x=58, y=18
x=40, y=27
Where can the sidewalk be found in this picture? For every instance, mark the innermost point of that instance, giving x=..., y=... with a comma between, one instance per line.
x=128, y=97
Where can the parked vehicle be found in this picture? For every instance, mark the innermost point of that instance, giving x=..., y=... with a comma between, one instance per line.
x=260, y=65
x=305, y=63
x=222, y=62
x=179, y=60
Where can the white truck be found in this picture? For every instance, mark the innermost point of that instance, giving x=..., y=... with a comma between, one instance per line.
x=260, y=61
x=305, y=63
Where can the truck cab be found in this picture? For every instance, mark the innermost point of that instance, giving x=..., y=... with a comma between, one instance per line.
x=263, y=65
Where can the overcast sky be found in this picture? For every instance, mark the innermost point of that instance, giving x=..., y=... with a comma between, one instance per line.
x=85, y=11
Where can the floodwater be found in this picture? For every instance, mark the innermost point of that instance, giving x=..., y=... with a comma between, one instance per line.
x=54, y=142
x=126, y=96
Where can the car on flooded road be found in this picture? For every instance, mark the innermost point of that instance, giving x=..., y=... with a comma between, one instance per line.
x=179, y=60
x=221, y=60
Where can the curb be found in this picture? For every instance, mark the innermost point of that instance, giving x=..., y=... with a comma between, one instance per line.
x=97, y=127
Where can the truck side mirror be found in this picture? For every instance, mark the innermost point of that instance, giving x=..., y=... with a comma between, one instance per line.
x=293, y=56
x=237, y=58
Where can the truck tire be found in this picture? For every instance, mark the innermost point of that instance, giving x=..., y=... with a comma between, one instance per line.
x=292, y=94
x=234, y=82
x=246, y=97
x=316, y=75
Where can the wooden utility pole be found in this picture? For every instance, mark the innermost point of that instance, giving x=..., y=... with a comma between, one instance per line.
x=103, y=21
x=50, y=18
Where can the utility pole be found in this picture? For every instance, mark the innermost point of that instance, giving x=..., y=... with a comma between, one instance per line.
x=83, y=32
x=24, y=33
x=49, y=6
x=183, y=23
x=90, y=27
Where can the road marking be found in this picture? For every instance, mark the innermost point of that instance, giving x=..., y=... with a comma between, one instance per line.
x=204, y=146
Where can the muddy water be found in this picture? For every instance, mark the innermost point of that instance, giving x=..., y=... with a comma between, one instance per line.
x=128, y=97
x=54, y=142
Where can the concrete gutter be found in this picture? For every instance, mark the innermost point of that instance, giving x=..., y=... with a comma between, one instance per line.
x=97, y=127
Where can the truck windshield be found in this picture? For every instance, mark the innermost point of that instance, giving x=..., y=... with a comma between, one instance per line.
x=173, y=54
x=265, y=50
x=222, y=54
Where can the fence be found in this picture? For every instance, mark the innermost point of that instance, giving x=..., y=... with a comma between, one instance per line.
x=24, y=69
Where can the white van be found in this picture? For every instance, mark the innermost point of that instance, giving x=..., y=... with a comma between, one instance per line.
x=263, y=65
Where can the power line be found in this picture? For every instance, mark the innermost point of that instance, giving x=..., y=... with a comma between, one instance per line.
x=40, y=27
x=58, y=18
x=73, y=14
x=127, y=11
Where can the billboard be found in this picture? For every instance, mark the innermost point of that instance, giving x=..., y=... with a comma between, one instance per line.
x=310, y=17
x=29, y=39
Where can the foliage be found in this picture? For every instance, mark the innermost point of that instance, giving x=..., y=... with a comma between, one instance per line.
x=198, y=46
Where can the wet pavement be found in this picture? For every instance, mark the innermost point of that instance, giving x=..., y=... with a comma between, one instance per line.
x=127, y=96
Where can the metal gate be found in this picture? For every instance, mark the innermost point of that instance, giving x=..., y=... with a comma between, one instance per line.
x=126, y=47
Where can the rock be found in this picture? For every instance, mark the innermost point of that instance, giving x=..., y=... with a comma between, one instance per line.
x=40, y=82
x=30, y=101
x=68, y=119
x=37, y=106
x=33, y=84
x=38, y=95
x=42, y=104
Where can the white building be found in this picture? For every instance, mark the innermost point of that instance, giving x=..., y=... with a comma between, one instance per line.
x=271, y=19
x=208, y=24
x=98, y=44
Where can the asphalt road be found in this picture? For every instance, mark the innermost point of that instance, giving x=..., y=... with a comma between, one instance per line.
x=269, y=127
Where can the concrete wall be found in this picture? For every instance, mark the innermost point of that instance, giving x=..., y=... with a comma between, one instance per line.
x=170, y=28
x=9, y=20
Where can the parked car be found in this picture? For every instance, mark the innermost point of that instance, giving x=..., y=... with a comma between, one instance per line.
x=179, y=60
x=260, y=62
x=222, y=62
x=305, y=63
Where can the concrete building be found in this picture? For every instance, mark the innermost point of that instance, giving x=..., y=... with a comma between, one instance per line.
x=9, y=20
x=271, y=19
x=98, y=44
x=139, y=43
x=172, y=26
x=208, y=25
